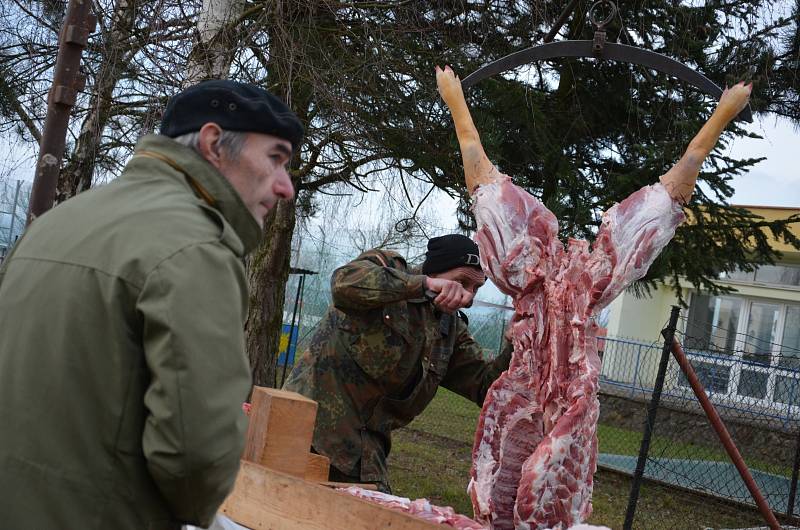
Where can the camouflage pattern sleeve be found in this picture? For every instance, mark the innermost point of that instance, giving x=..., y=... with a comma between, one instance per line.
x=374, y=279
x=469, y=373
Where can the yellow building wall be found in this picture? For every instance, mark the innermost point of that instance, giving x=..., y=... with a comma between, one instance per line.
x=639, y=320
x=774, y=213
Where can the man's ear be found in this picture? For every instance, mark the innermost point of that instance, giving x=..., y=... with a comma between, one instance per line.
x=208, y=144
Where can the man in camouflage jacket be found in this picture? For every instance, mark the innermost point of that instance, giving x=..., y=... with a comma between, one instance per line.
x=391, y=337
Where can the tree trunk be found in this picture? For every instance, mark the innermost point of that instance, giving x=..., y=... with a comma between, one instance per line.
x=268, y=272
x=213, y=53
x=269, y=264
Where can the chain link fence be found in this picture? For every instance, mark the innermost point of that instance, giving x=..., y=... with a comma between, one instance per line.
x=14, y=196
x=753, y=385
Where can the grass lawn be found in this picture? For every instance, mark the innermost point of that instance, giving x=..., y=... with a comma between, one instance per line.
x=431, y=458
x=624, y=442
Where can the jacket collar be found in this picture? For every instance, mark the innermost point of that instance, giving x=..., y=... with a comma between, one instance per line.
x=208, y=183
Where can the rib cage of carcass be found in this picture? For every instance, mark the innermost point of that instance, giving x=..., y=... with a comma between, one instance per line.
x=535, y=447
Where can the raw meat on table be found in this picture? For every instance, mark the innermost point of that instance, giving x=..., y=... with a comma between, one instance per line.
x=423, y=509
x=420, y=508
x=535, y=450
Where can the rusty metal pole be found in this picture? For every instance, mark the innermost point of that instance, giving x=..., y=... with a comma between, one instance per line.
x=724, y=435
x=67, y=82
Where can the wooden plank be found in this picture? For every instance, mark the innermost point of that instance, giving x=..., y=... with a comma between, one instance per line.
x=318, y=468
x=280, y=430
x=263, y=499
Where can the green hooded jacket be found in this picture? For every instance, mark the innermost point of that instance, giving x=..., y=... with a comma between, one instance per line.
x=376, y=360
x=122, y=360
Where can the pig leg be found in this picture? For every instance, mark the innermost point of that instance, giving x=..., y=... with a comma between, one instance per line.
x=680, y=180
x=478, y=169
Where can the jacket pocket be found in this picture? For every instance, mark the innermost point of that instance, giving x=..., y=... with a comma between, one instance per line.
x=376, y=351
x=372, y=345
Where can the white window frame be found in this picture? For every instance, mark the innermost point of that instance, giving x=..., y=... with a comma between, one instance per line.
x=736, y=360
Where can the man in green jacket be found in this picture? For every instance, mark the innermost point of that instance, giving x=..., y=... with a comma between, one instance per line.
x=122, y=360
x=391, y=337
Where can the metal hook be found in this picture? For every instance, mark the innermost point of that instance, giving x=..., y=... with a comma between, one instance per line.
x=600, y=27
x=609, y=18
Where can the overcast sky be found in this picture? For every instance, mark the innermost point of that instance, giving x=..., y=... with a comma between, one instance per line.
x=776, y=180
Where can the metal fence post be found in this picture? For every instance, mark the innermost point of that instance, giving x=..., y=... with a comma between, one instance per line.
x=796, y=463
x=652, y=409
x=793, y=485
x=13, y=215
x=636, y=369
x=300, y=283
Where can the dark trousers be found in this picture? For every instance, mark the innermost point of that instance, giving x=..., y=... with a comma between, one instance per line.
x=336, y=475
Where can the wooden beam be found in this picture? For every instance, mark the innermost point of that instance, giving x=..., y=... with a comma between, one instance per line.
x=318, y=468
x=280, y=430
x=269, y=500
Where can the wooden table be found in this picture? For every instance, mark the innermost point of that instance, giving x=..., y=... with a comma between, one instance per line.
x=283, y=486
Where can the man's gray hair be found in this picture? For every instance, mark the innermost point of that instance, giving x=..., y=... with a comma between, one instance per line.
x=231, y=141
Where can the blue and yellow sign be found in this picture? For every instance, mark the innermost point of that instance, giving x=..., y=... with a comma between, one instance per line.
x=287, y=343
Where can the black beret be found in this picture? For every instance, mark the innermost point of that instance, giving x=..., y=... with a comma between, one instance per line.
x=233, y=106
x=449, y=252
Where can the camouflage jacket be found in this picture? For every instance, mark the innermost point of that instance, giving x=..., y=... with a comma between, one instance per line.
x=377, y=358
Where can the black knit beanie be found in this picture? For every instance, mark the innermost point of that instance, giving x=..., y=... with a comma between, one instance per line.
x=449, y=252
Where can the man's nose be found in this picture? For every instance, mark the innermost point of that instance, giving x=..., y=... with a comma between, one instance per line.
x=283, y=187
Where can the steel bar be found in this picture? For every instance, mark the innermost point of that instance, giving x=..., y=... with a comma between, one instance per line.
x=611, y=51
x=67, y=82
x=652, y=409
x=724, y=435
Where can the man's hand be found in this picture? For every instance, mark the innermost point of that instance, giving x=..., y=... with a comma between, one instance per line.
x=451, y=296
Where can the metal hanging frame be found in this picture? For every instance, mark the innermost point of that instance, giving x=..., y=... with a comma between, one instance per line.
x=601, y=50
x=295, y=325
